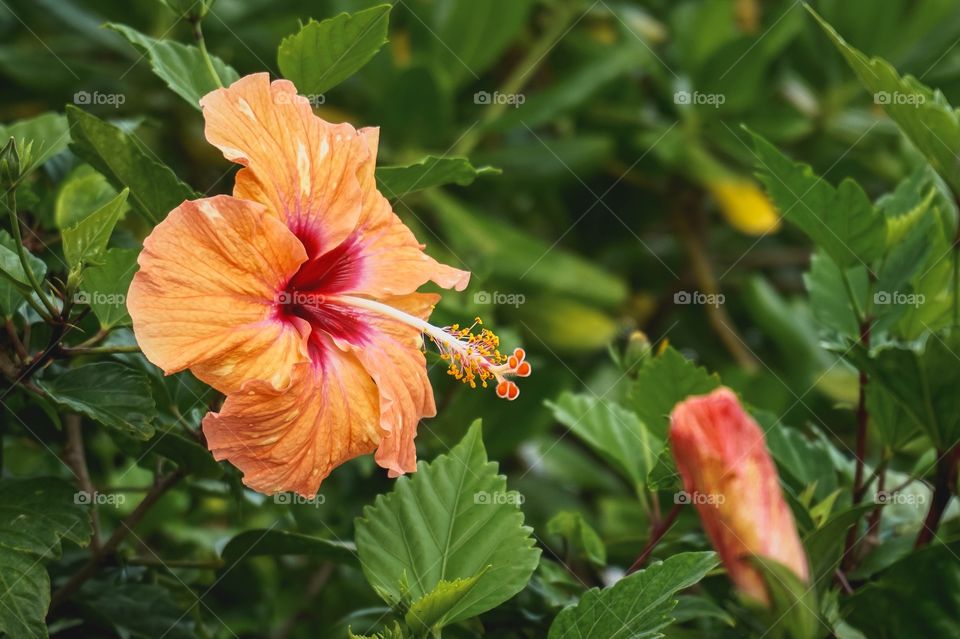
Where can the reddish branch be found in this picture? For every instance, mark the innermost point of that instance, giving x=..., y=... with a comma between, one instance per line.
x=946, y=479
x=863, y=421
x=655, y=536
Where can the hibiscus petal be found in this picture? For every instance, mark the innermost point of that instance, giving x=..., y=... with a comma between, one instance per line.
x=391, y=352
x=290, y=441
x=204, y=295
x=393, y=260
x=381, y=257
x=303, y=168
x=387, y=257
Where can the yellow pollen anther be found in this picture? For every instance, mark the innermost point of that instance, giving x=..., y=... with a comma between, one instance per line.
x=474, y=358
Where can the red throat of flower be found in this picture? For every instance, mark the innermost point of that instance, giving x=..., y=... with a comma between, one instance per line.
x=317, y=294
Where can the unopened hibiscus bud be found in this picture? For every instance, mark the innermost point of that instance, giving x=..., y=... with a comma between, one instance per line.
x=728, y=475
x=9, y=164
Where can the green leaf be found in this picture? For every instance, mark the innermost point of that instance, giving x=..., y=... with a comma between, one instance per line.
x=664, y=474
x=11, y=291
x=397, y=181
x=186, y=453
x=323, y=54
x=468, y=37
x=829, y=302
x=793, y=612
x=918, y=596
x=889, y=418
x=36, y=515
x=15, y=283
x=11, y=265
x=842, y=221
x=393, y=632
x=25, y=588
x=457, y=521
x=108, y=392
x=522, y=258
x=154, y=189
x=923, y=114
x=181, y=66
x=432, y=611
x=662, y=382
x=922, y=377
x=105, y=287
x=571, y=91
x=82, y=192
x=255, y=543
x=612, y=431
x=582, y=540
x=139, y=610
x=824, y=545
x=693, y=608
x=550, y=159
x=636, y=607
x=556, y=585
x=808, y=463
x=87, y=240
x=44, y=136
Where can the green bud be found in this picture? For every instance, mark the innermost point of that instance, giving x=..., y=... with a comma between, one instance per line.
x=189, y=9
x=9, y=164
x=637, y=349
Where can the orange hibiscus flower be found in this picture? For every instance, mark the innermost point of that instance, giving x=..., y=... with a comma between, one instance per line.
x=296, y=298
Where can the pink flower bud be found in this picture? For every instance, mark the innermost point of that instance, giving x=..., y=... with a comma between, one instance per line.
x=728, y=475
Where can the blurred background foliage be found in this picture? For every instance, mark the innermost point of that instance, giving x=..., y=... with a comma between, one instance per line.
x=615, y=197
